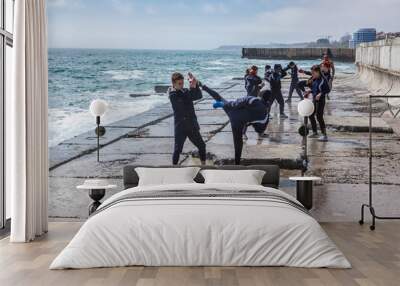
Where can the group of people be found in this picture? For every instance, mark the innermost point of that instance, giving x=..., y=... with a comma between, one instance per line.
x=319, y=86
x=253, y=109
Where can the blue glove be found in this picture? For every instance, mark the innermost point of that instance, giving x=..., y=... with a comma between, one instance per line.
x=218, y=104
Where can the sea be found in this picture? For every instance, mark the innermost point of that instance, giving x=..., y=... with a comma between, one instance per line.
x=78, y=76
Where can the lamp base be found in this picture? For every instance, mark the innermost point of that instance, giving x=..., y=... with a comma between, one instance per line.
x=100, y=131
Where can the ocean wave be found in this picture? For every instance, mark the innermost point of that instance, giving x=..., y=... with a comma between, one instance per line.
x=102, y=62
x=219, y=63
x=125, y=75
x=57, y=70
x=67, y=122
x=212, y=68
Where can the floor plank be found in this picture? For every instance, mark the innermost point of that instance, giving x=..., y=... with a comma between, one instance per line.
x=375, y=257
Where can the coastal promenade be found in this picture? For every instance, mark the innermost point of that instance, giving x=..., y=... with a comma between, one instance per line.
x=342, y=162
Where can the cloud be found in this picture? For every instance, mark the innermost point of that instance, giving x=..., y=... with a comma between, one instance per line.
x=124, y=7
x=311, y=19
x=184, y=24
x=217, y=8
x=151, y=10
x=65, y=3
x=56, y=3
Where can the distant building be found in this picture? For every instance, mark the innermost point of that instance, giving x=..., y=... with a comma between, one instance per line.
x=391, y=35
x=323, y=42
x=345, y=39
x=363, y=36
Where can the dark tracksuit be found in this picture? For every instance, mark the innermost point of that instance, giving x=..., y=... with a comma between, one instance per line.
x=242, y=112
x=294, y=72
x=276, y=89
x=319, y=86
x=305, y=83
x=252, y=84
x=327, y=77
x=186, y=125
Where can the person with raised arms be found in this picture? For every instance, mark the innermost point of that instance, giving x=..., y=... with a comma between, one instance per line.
x=294, y=73
x=274, y=80
x=186, y=124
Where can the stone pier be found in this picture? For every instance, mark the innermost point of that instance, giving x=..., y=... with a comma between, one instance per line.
x=342, y=162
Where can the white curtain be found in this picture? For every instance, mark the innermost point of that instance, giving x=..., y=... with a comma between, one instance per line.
x=27, y=150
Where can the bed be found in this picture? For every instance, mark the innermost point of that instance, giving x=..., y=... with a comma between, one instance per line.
x=201, y=224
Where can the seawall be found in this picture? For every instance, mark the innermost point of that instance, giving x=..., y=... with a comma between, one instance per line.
x=344, y=54
x=378, y=65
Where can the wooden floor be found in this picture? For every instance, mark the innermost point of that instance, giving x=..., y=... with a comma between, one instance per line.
x=375, y=257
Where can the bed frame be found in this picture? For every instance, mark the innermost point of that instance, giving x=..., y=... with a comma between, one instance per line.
x=271, y=177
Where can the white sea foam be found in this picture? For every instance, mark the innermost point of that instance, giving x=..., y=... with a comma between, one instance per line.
x=66, y=123
x=219, y=63
x=215, y=68
x=125, y=74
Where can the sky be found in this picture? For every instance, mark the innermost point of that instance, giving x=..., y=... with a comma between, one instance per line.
x=198, y=25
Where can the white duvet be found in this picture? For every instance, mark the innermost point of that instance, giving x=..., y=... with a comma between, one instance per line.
x=200, y=232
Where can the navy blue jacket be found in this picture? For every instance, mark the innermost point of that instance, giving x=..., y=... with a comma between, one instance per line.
x=248, y=110
x=294, y=72
x=275, y=80
x=320, y=86
x=251, y=84
x=182, y=104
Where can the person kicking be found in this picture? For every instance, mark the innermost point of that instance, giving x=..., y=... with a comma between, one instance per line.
x=186, y=125
x=243, y=112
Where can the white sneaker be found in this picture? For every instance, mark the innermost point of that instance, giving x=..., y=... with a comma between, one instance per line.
x=283, y=116
x=323, y=138
x=314, y=135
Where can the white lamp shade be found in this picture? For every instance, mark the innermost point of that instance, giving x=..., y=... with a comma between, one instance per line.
x=305, y=107
x=98, y=107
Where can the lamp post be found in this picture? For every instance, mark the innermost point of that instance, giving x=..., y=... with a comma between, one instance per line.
x=97, y=108
x=305, y=108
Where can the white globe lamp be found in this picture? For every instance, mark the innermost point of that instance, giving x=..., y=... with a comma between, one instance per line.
x=97, y=108
x=305, y=108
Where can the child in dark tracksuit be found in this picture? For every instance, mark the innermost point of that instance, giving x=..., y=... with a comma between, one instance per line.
x=294, y=72
x=242, y=112
x=252, y=82
x=276, y=88
x=319, y=90
x=186, y=125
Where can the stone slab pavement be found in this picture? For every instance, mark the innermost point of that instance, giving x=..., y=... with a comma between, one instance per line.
x=342, y=162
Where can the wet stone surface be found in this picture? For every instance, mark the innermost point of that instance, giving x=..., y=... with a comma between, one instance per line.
x=342, y=162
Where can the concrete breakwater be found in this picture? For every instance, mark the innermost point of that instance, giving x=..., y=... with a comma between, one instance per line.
x=378, y=65
x=347, y=55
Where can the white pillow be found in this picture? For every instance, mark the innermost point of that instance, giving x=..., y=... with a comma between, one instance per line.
x=166, y=176
x=246, y=177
